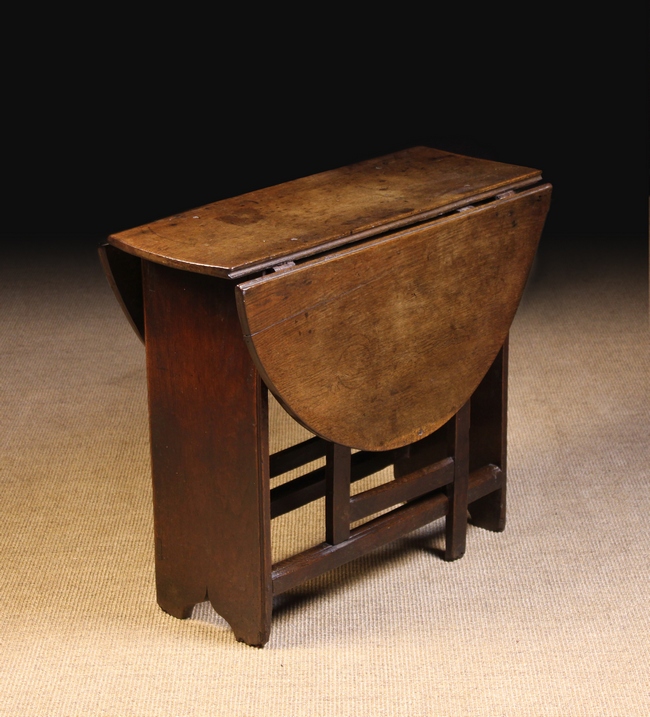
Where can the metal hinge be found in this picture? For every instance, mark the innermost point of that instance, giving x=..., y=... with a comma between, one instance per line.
x=285, y=266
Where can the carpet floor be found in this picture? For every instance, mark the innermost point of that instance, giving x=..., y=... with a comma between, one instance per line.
x=549, y=618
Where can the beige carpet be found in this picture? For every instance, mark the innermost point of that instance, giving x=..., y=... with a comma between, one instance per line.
x=551, y=617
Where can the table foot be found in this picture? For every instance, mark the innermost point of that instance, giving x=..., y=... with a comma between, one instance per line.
x=489, y=512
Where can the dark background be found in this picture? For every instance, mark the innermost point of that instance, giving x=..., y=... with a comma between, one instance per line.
x=112, y=122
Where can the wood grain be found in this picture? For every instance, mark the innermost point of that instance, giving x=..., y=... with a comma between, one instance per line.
x=376, y=346
x=209, y=453
x=238, y=236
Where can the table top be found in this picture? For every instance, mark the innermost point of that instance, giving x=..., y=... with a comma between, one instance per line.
x=237, y=237
x=377, y=345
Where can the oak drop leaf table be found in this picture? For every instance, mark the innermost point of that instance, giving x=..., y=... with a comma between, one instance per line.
x=374, y=301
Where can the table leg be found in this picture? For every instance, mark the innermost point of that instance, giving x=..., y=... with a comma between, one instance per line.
x=209, y=453
x=337, y=493
x=488, y=432
x=456, y=520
